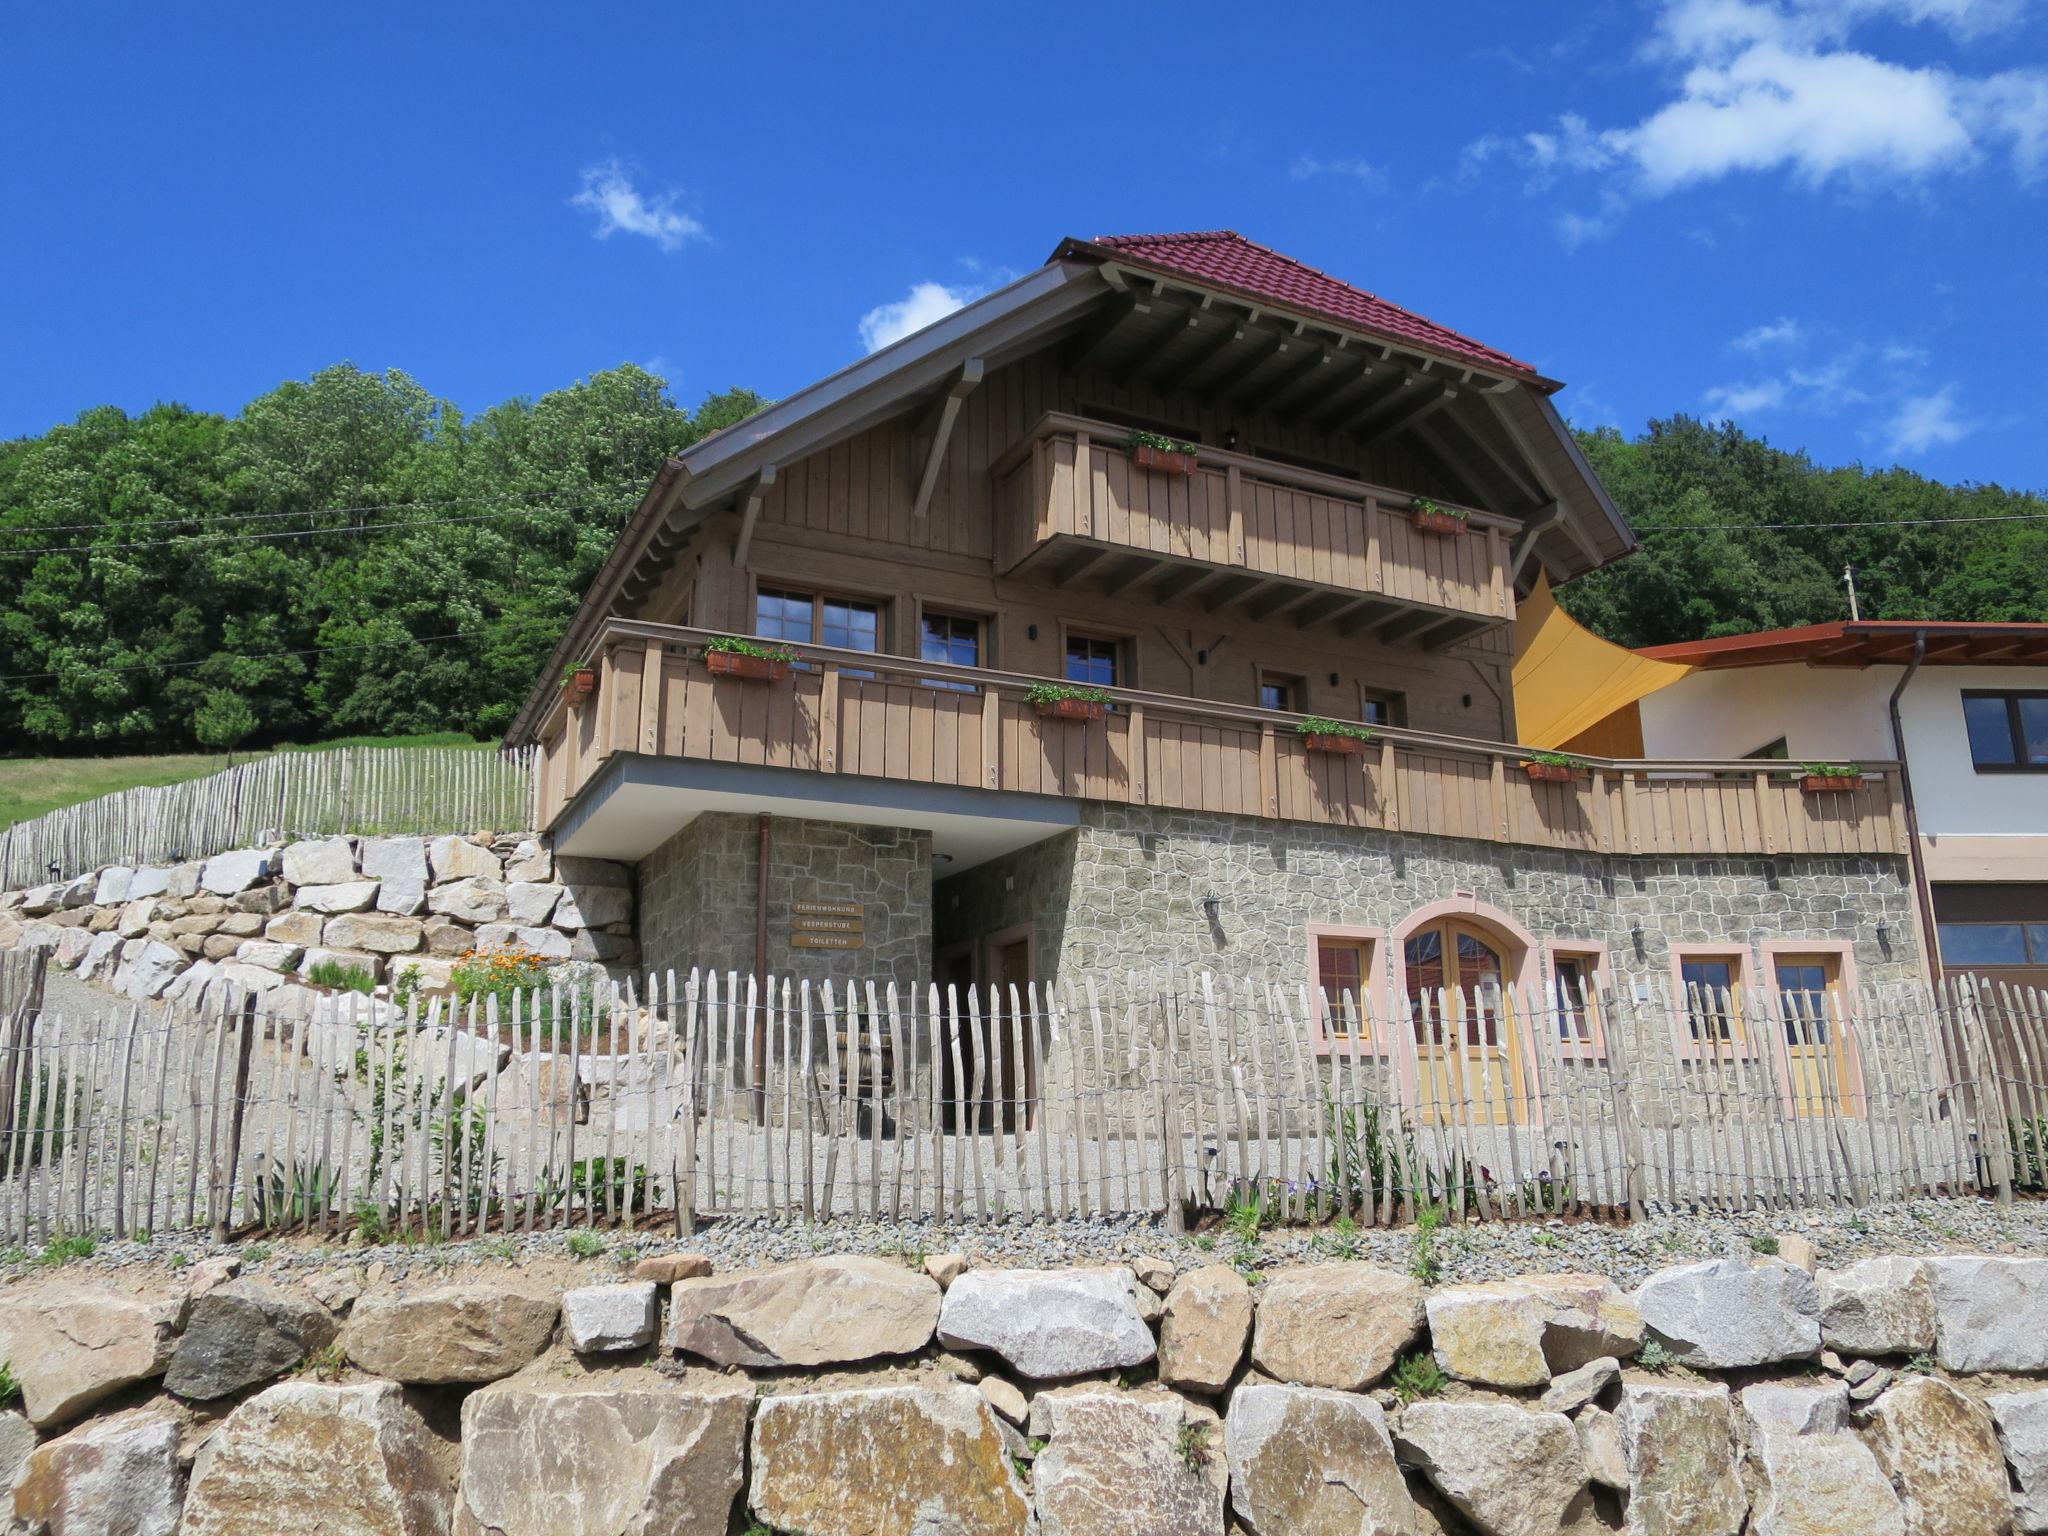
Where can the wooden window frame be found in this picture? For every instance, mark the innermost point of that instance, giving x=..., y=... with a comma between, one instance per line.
x=921, y=607
x=1592, y=953
x=1296, y=684
x=885, y=601
x=2011, y=698
x=1741, y=1039
x=1841, y=1025
x=1395, y=699
x=1373, y=936
x=1125, y=642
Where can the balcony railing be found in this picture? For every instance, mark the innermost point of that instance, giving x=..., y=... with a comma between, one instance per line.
x=1072, y=505
x=891, y=717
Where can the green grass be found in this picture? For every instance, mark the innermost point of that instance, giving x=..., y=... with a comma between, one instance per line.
x=31, y=786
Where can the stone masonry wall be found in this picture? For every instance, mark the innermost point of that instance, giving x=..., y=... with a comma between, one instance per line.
x=850, y=1395
x=1125, y=891
x=698, y=889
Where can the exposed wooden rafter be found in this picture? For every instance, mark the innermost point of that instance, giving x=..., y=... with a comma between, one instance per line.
x=1400, y=414
x=750, y=512
x=963, y=385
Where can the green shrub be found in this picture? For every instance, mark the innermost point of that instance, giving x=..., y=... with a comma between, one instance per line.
x=1654, y=1357
x=1159, y=440
x=1417, y=1375
x=1764, y=1243
x=1193, y=1445
x=1322, y=725
x=738, y=645
x=586, y=1244
x=1053, y=693
x=341, y=977
x=10, y=1387
x=1426, y=1266
x=62, y=1250
x=1422, y=505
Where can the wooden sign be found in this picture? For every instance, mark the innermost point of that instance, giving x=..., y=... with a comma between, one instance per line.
x=826, y=940
x=827, y=925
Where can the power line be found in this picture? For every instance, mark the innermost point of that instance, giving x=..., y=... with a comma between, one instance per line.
x=1873, y=522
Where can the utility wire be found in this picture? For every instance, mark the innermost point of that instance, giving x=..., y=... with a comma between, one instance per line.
x=186, y=540
x=619, y=486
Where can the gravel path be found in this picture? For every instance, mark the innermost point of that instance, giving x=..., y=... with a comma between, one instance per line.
x=1477, y=1252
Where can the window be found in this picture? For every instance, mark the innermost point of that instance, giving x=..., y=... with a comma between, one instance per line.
x=1344, y=971
x=1379, y=708
x=1770, y=751
x=1709, y=983
x=1277, y=690
x=1454, y=970
x=1803, y=983
x=1993, y=943
x=1573, y=979
x=1095, y=662
x=849, y=623
x=950, y=637
x=2008, y=731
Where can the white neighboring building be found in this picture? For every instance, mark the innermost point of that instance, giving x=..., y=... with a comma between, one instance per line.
x=1971, y=729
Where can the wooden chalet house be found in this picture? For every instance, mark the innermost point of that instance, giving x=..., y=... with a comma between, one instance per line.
x=1065, y=592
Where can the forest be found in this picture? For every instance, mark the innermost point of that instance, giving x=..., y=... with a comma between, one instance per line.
x=350, y=555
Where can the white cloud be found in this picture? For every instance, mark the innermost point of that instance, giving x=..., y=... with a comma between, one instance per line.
x=925, y=303
x=1783, y=331
x=1772, y=86
x=621, y=208
x=1747, y=399
x=1929, y=421
x=1369, y=176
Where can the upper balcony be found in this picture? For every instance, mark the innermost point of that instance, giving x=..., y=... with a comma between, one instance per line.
x=860, y=736
x=1072, y=507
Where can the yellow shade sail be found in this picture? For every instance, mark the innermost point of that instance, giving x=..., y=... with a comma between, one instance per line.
x=1567, y=679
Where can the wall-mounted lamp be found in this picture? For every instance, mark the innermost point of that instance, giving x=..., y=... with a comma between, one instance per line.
x=1333, y=679
x=1031, y=632
x=1635, y=935
x=1884, y=931
x=1230, y=440
x=1201, y=658
x=1209, y=907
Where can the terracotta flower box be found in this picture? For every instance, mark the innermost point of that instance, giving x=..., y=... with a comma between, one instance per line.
x=1549, y=773
x=1070, y=709
x=582, y=683
x=1432, y=521
x=1348, y=746
x=752, y=669
x=1824, y=783
x=1163, y=461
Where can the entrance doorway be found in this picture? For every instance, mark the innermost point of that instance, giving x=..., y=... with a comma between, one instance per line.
x=991, y=1040
x=1810, y=1010
x=1466, y=1045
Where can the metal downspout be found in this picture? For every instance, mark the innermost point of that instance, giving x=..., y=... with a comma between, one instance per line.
x=1923, y=897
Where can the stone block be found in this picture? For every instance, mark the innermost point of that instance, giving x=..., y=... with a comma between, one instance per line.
x=1728, y=1313
x=578, y=873
x=458, y=1333
x=1305, y=1461
x=1988, y=1313
x=320, y=861
x=269, y=954
x=263, y=900
x=1048, y=1323
x=1130, y=1464
x=888, y=1459
x=602, y=1319
x=1510, y=1471
x=593, y=906
x=402, y=896
x=827, y=1311
x=1203, y=1328
x=71, y=947
x=1882, y=1306
x=394, y=858
x=668, y=1268
x=530, y=861
x=2022, y=1422
x=360, y=959
x=625, y=1453
x=229, y=874
x=1683, y=1476
x=1817, y=1485
x=149, y=882
x=243, y=1333
x=111, y=888
x=548, y=943
x=242, y=925
x=382, y=935
x=74, y=1345
x=300, y=928
x=1796, y=1408
x=1335, y=1325
x=528, y=902
x=116, y=1476
x=348, y=896
x=1940, y=1449
x=457, y=858
x=477, y=899
x=446, y=938
x=145, y=975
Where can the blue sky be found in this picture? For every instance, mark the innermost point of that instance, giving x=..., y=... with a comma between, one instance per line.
x=1827, y=219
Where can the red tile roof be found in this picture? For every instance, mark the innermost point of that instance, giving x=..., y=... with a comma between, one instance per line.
x=1222, y=258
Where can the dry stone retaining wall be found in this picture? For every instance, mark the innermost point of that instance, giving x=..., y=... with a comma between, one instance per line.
x=845, y=1396
x=261, y=918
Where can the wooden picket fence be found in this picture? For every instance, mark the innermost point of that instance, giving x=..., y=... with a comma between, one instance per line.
x=713, y=1096
x=346, y=789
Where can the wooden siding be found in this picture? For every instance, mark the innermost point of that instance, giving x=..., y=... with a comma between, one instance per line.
x=1068, y=482
x=923, y=722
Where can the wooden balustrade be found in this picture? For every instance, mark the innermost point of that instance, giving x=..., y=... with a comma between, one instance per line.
x=1072, y=485
x=889, y=717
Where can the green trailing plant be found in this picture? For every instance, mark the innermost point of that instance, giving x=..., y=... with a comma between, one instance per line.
x=340, y=976
x=1055, y=693
x=1192, y=1445
x=1422, y=506
x=1416, y=1376
x=739, y=645
x=588, y=664
x=1140, y=439
x=1830, y=770
x=1556, y=760
x=60, y=1251
x=1320, y=725
x=1425, y=1264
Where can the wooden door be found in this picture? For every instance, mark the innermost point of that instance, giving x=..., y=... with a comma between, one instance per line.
x=1469, y=1060
x=1009, y=964
x=1816, y=1054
